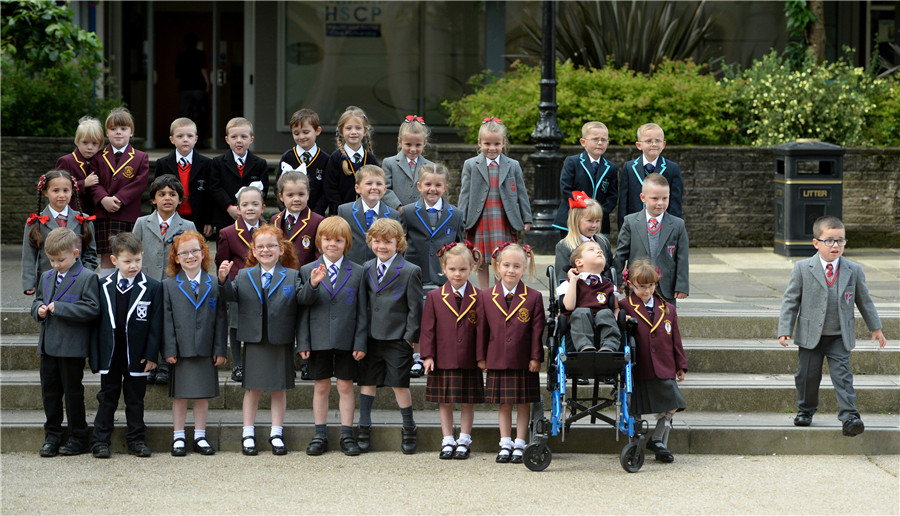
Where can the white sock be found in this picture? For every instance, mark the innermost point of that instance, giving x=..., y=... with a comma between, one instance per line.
x=178, y=434
x=464, y=439
x=448, y=441
x=276, y=432
x=505, y=442
x=519, y=446
x=200, y=437
x=249, y=431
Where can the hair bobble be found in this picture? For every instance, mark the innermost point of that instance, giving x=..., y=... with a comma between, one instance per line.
x=625, y=276
x=492, y=119
x=499, y=249
x=83, y=218
x=658, y=274
x=528, y=252
x=446, y=247
x=414, y=118
x=577, y=200
x=41, y=182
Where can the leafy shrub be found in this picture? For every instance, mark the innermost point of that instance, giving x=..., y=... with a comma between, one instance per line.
x=688, y=104
x=833, y=102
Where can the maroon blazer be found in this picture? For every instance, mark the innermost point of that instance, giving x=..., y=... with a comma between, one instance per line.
x=514, y=333
x=659, y=351
x=450, y=335
x=303, y=234
x=127, y=181
x=234, y=245
x=79, y=167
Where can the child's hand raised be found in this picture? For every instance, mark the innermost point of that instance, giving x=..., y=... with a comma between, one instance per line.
x=317, y=275
x=572, y=276
x=224, y=269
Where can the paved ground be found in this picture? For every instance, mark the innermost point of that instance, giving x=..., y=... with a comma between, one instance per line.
x=391, y=483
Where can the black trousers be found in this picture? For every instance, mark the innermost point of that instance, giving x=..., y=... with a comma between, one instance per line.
x=61, y=377
x=112, y=384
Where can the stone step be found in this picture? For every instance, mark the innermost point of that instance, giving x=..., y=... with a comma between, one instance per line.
x=764, y=433
x=756, y=356
x=694, y=323
x=704, y=392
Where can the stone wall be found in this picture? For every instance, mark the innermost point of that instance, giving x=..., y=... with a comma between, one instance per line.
x=728, y=190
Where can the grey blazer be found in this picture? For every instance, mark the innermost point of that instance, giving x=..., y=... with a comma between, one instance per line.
x=671, y=257
x=282, y=309
x=401, y=179
x=804, y=303
x=474, y=190
x=156, y=248
x=193, y=326
x=336, y=317
x=395, y=304
x=355, y=215
x=68, y=331
x=424, y=242
x=35, y=261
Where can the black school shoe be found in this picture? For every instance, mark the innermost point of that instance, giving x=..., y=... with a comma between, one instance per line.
x=49, y=449
x=237, y=374
x=100, y=451
x=318, y=445
x=162, y=375
x=248, y=450
x=151, y=376
x=179, y=451
x=410, y=440
x=364, y=437
x=278, y=450
x=803, y=419
x=73, y=447
x=349, y=446
x=853, y=427
x=203, y=450
x=139, y=449
x=659, y=449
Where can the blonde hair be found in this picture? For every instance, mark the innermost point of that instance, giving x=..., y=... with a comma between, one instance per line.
x=649, y=127
x=495, y=126
x=592, y=209
x=586, y=128
x=353, y=112
x=238, y=122
x=183, y=122
x=120, y=117
x=334, y=227
x=386, y=229
x=414, y=127
x=471, y=254
x=370, y=170
x=507, y=248
x=437, y=169
x=60, y=240
x=89, y=130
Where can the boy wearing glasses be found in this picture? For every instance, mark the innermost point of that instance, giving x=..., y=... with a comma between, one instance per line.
x=589, y=172
x=817, y=310
x=650, y=141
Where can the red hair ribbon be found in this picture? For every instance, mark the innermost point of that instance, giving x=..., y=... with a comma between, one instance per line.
x=41, y=183
x=658, y=274
x=499, y=248
x=82, y=218
x=34, y=216
x=577, y=200
x=528, y=252
x=492, y=119
x=440, y=252
x=415, y=118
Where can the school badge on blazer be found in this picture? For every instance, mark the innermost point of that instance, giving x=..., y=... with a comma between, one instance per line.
x=397, y=292
x=211, y=303
x=287, y=291
x=473, y=318
x=305, y=241
x=848, y=297
x=351, y=296
x=601, y=298
x=128, y=172
x=668, y=327
x=523, y=315
x=141, y=310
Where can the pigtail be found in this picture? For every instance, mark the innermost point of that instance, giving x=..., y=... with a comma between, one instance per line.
x=451, y=249
x=87, y=231
x=35, y=237
x=529, y=257
x=524, y=249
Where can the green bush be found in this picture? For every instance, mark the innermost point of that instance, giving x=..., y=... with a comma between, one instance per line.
x=833, y=102
x=680, y=97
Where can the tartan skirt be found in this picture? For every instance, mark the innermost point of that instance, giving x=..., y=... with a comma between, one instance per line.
x=106, y=228
x=512, y=386
x=455, y=386
x=493, y=227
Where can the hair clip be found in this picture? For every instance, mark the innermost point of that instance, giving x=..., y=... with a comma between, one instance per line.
x=577, y=200
x=658, y=274
x=625, y=276
x=499, y=249
x=414, y=118
x=34, y=216
x=41, y=183
x=492, y=119
x=83, y=218
x=75, y=186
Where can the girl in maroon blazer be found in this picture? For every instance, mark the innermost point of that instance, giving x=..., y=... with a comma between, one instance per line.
x=88, y=140
x=452, y=325
x=661, y=363
x=298, y=222
x=513, y=351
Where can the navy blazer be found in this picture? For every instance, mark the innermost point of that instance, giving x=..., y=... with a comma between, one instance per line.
x=577, y=175
x=144, y=326
x=338, y=187
x=198, y=192
x=632, y=181
x=315, y=172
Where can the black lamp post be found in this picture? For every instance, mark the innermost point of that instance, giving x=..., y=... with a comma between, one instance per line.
x=547, y=160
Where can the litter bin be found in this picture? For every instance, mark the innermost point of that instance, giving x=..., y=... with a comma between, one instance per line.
x=808, y=185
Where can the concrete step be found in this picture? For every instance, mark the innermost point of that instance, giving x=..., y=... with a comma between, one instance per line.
x=705, y=392
x=693, y=432
x=757, y=356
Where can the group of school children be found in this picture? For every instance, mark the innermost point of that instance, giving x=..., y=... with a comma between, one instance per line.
x=344, y=292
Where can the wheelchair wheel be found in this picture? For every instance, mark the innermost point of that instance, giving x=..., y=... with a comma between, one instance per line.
x=632, y=457
x=537, y=456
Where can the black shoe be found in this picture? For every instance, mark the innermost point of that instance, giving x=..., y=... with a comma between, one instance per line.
x=659, y=449
x=50, y=449
x=203, y=450
x=318, y=445
x=73, y=447
x=503, y=458
x=151, y=378
x=162, y=376
x=417, y=370
x=278, y=450
x=100, y=451
x=139, y=449
x=516, y=458
x=179, y=451
x=248, y=450
x=364, y=437
x=447, y=451
x=853, y=427
x=803, y=419
x=237, y=374
x=349, y=446
x=410, y=441
x=584, y=381
x=304, y=371
x=462, y=452
x=586, y=348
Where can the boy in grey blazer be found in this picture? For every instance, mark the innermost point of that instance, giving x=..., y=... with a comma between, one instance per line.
x=394, y=288
x=370, y=186
x=66, y=304
x=659, y=236
x=817, y=309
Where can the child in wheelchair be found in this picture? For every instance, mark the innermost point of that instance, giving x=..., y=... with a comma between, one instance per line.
x=589, y=300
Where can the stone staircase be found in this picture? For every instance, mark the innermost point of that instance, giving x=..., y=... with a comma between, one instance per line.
x=739, y=391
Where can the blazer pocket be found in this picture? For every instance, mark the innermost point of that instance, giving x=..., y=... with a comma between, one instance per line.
x=802, y=332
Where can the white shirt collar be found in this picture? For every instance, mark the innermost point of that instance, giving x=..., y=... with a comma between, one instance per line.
x=115, y=150
x=312, y=152
x=438, y=205
x=461, y=290
x=236, y=157
x=497, y=161
x=836, y=262
x=168, y=221
x=263, y=270
x=56, y=214
x=658, y=217
x=649, y=304
x=415, y=161
x=189, y=158
x=329, y=263
x=248, y=224
x=296, y=215
x=350, y=152
x=195, y=278
x=388, y=263
x=366, y=208
x=120, y=278
x=584, y=238
x=644, y=161
x=506, y=292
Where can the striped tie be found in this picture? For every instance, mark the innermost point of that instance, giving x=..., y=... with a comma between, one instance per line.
x=163, y=228
x=59, y=278
x=333, y=274
x=267, y=280
x=194, y=285
x=381, y=269
x=61, y=221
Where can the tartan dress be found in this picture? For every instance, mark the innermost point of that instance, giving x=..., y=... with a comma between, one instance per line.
x=493, y=227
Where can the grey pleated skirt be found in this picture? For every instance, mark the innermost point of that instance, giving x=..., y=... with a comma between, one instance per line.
x=193, y=378
x=268, y=367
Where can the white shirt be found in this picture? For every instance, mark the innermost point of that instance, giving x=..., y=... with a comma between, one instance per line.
x=160, y=220
x=312, y=152
x=328, y=265
x=255, y=226
x=195, y=278
x=507, y=292
x=414, y=161
x=438, y=205
x=376, y=208
x=350, y=152
x=658, y=217
x=120, y=278
x=649, y=304
x=189, y=158
x=122, y=150
x=386, y=264
x=461, y=291
x=55, y=214
x=836, y=263
x=496, y=161
x=242, y=158
x=644, y=161
x=564, y=286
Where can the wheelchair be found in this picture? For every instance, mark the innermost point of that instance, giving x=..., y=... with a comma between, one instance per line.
x=565, y=367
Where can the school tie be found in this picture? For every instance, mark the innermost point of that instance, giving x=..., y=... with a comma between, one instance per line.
x=829, y=274
x=432, y=217
x=240, y=166
x=306, y=157
x=123, y=285
x=492, y=164
x=59, y=278
x=267, y=280
x=596, y=166
x=459, y=299
x=290, y=222
x=509, y=298
x=61, y=221
x=412, y=164
x=183, y=164
x=651, y=312
x=163, y=228
x=333, y=274
x=649, y=168
x=118, y=155
x=252, y=230
x=593, y=280
x=357, y=157
x=370, y=218
x=194, y=285
x=381, y=269
x=653, y=225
